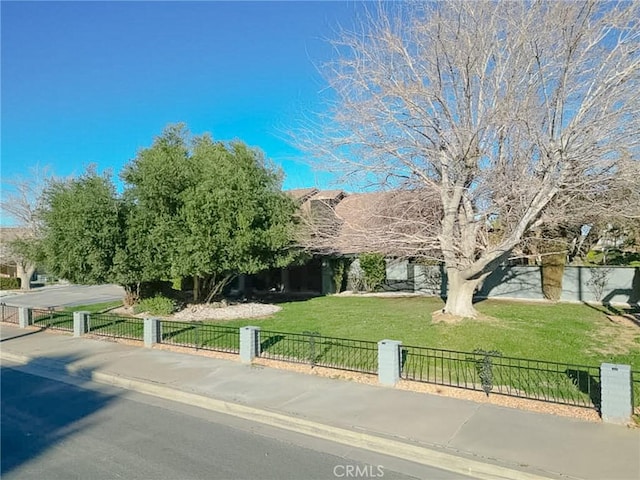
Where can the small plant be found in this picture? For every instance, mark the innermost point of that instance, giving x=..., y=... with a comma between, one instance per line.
x=374, y=270
x=157, y=305
x=484, y=366
x=598, y=281
x=356, y=282
x=11, y=283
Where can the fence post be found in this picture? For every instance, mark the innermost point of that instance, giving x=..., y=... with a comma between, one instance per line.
x=249, y=343
x=152, y=333
x=616, y=393
x=389, y=362
x=24, y=317
x=80, y=323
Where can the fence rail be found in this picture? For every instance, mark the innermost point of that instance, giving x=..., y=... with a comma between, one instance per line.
x=201, y=336
x=635, y=385
x=576, y=385
x=114, y=326
x=52, y=319
x=316, y=349
x=9, y=313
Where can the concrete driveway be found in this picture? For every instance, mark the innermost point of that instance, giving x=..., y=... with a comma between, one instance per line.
x=63, y=295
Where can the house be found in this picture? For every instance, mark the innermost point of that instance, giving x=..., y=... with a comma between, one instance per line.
x=341, y=225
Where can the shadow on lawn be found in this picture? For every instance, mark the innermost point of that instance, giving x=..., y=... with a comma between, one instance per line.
x=586, y=383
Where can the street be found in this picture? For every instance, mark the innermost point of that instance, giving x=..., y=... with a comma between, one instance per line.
x=55, y=430
x=63, y=295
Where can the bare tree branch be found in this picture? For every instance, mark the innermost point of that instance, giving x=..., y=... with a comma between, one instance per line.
x=497, y=109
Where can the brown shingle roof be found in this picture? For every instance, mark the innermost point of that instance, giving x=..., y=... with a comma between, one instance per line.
x=302, y=194
x=395, y=223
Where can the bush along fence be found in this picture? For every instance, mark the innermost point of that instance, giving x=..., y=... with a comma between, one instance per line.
x=613, y=390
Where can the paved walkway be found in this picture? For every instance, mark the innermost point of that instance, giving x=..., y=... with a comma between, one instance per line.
x=481, y=440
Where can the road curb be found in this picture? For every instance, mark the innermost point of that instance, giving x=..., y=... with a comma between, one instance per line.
x=385, y=446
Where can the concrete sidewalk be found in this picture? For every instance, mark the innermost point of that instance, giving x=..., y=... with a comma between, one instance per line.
x=481, y=440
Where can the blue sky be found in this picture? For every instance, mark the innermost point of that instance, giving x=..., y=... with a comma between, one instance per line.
x=92, y=82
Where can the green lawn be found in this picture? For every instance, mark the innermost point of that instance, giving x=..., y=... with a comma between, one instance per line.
x=95, y=307
x=566, y=333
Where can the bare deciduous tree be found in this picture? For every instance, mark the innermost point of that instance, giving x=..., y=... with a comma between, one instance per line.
x=21, y=198
x=502, y=109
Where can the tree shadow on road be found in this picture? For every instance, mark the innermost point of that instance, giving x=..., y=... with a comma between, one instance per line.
x=38, y=413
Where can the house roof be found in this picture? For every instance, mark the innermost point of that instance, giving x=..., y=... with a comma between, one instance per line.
x=391, y=222
x=302, y=194
x=8, y=234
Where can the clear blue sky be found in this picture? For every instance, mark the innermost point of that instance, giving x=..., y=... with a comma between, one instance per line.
x=92, y=82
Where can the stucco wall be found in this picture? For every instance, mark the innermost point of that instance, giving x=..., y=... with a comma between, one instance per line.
x=579, y=284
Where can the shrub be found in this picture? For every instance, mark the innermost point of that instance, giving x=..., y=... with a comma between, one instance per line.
x=157, y=305
x=339, y=268
x=12, y=283
x=374, y=270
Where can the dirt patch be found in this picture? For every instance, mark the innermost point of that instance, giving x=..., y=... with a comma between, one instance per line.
x=617, y=336
x=587, y=414
x=440, y=316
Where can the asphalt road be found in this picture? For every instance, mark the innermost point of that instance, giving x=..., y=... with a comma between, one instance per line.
x=69, y=295
x=54, y=430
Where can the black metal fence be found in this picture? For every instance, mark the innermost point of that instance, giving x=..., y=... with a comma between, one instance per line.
x=52, y=319
x=114, y=326
x=486, y=371
x=9, y=313
x=577, y=385
x=315, y=349
x=201, y=336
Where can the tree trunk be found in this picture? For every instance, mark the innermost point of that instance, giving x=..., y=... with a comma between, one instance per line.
x=131, y=294
x=196, y=288
x=25, y=272
x=460, y=294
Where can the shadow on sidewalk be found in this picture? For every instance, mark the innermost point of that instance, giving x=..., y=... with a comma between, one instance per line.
x=21, y=335
x=38, y=413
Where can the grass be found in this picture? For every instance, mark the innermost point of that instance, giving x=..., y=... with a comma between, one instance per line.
x=565, y=333
x=94, y=307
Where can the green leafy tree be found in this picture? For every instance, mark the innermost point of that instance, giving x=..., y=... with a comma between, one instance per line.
x=191, y=207
x=155, y=183
x=82, y=228
x=235, y=218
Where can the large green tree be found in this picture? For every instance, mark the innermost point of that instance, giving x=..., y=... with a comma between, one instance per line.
x=191, y=207
x=208, y=210
x=235, y=218
x=83, y=226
